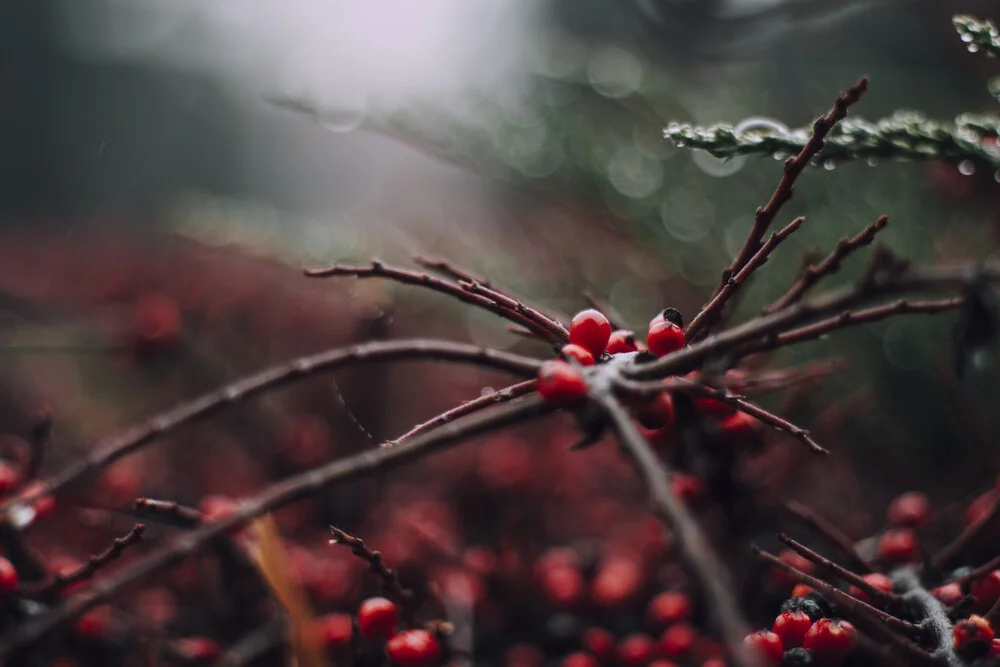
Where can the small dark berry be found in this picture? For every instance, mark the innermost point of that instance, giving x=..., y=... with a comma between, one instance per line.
x=797, y=657
x=825, y=606
x=804, y=604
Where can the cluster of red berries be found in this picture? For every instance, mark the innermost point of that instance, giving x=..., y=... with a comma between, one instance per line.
x=376, y=625
x=804, y=634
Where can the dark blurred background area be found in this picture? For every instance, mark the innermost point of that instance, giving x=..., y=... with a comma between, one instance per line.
x=142, y=155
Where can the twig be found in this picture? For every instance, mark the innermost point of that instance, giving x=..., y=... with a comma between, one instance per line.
x=793, y=167
x=978, y=573
x=390, y=579
x=813, y=273
x=944, y=557
x=272, y=498
x=379, y=270
x=879, y=596
x=847, y=603
x=789, y=377
x=738, y=402
x=711, y=575
x=615, y=318
x=556, y=330
x=501, y=396
x=59, y=582
x=710, y=312
x=829, y=531
x=184, y=517
x=116, y=447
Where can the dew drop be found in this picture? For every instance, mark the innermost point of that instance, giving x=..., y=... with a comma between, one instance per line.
x=996, y=176
x=829, y=165
x=973, y=48
x=966, y=37
x=873, y=161
x=966, y=168
x=779, y=156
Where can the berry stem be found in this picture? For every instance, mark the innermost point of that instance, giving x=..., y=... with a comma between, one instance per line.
x=390, y=579
x=829, y=531
x=58, y=582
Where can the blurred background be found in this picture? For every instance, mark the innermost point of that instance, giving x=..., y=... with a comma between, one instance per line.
x=168, y=167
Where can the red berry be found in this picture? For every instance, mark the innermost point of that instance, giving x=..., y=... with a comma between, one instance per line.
x=617, y=580
x=199, y=649
x=45, y=503
x=377, y=618
x=995, y=647
x=801, y=590
x=898, y=545
x=577, y=354
x=590, y=330
x=335, y=630
x=8, y=577
x=948, y=594
x=677, y=640
x=668, y=608
x=972, y=637
x=783, y=580
x=560, y=383
x=622, y=341
x=767, y=645
x=580, y=659
x=10, y=477
x=876, y=580
x=687, y=487
x=664, y=337
x=739, y=425
x=830, y=640
x=157, y=321
x=986, y=590
x=792, y=627
x=657, y=413
x=600, y=642
x=909, y=510
x=413, y=648
x=95, y=624
x=635, y=650
x=562, y=585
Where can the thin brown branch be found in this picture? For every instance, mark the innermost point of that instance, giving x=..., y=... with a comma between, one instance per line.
x=786, y=186
x=174, y=512
x=829, y=531
x=615, y=318
x=979, y=572
x=709, y=313
x=118, y=446
x=848, y=604
x=467, y=408
x=880, y=597
x=390, y=580
x=789, y=377
x=949, y=553
x=274, y=497
x=724, y=396
x=557, y=332
x=59, y=582
x=422, y=279
x=697, y=553
x=813, y=273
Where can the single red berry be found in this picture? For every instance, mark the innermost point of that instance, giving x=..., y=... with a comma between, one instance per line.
x=199, y=649
x=792, y=627
x=580, y=659
x=413, y=648
x=157, y=321
x=657, y=413
x=8, y=577
x=560, y=383
x=767, y=645
x=10, y=477
x=986, y=590
x=876, y=580
x=972, y=637
x=563, y=585
x=687, y=487
x=801, y=590
x=95, y=624
x=830, y=640
x=590, y=330
x=980, y=508
x=898, y=545
x=995, y=647
x=335, y=630
x=577, y=354
x=664, y=337
x=677, y=641
x=948, y=594
x=783, y=580
x=617, y=581
x=635, y=650
x=909, y=510
x=600, y=642
x=44, y=504
x=622, y=341
x=377, y=618
x=739, y=425
x=668, y=608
